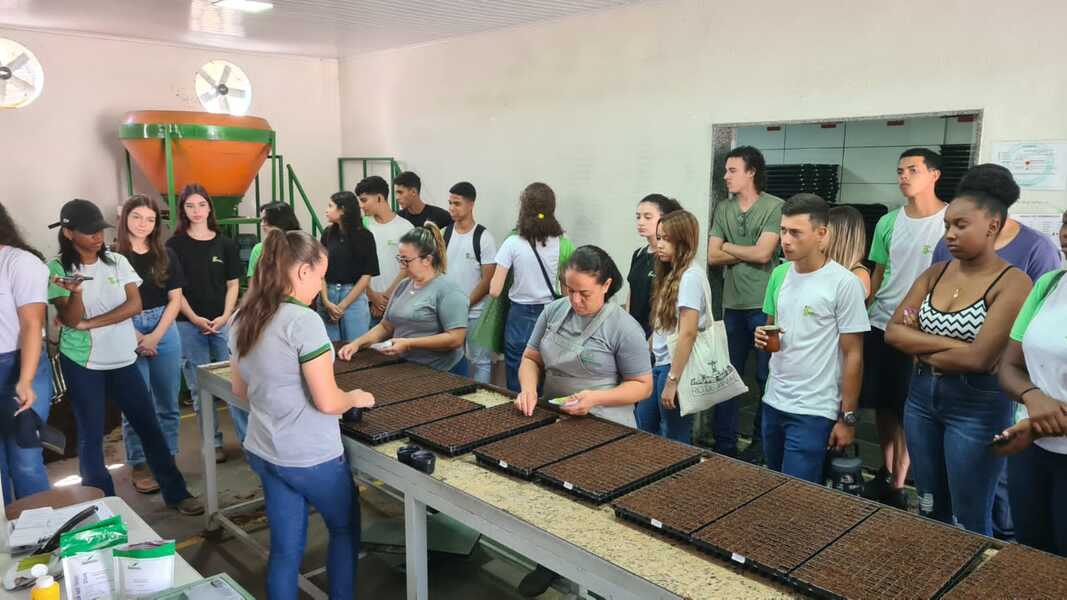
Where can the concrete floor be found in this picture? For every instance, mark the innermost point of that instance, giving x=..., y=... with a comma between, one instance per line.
x=381, y=574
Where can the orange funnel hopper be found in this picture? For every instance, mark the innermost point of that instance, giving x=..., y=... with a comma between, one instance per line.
x=221, y=152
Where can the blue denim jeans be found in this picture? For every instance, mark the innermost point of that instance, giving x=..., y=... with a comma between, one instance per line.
x=480, y=359
x=653, y=418
x=356, y=319
x=740, y=332
x=795, y=444
x=288, y=492
x=517, y=330
x=1037, y=483
x=88, y=390
x=199, y=349
x=949, y=421
x=22, y=471
x=162, y=374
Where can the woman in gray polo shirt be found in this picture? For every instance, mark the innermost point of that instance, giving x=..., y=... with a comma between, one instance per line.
x=426, y=319
x=282, y=364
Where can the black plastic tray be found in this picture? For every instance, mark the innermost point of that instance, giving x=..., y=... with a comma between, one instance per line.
x=365, y=359
x=619, y=491
x=385, y=436
x=540, y=418
x=528, y=473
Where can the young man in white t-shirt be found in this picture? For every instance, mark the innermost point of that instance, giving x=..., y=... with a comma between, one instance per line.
x=471, y=262
x=814, y=385
x=387, y=227
x=902, y=249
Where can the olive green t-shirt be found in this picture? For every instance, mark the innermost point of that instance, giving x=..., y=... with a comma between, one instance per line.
x=744, y=284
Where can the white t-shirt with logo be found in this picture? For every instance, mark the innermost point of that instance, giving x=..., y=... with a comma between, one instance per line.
x=905, y=247
x=813, y=310
x=23, y=280
x=528, y=284
x=463, y=267
x=386, y=243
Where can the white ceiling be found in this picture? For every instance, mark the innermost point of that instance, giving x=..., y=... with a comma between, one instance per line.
x=325, y=28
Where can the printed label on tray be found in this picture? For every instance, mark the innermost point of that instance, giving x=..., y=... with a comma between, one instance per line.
x=737, y=558
x=503, y=464
x=655, y=523
x=568, y=485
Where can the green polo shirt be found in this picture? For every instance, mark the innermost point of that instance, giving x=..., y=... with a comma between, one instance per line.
x=745, y=284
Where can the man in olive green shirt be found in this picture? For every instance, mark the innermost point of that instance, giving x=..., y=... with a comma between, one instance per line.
x=744, y=241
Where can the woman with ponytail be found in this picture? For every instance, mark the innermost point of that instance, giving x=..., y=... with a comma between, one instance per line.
x=426, y=319
x=282, y=364
x=678, y=308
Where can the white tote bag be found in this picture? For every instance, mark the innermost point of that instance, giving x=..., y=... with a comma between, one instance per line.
x=708, y=377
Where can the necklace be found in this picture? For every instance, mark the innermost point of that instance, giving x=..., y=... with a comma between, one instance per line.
x=956, y=294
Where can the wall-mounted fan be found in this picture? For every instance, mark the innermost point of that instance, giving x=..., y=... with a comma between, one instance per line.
x=223, y=88
x=21, y=76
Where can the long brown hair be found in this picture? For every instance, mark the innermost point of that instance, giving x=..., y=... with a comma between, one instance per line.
x=195, y=189
x=270, y=285
x=848, y=237
x=160, y=260
x=537, y=213
x=681, y=229
x=429, y=241
x=11, y=236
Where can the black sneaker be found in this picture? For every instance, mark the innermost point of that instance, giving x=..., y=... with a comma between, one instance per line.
x=877, y=488
x=896, y=498
x=752, y=454
x=536, y=582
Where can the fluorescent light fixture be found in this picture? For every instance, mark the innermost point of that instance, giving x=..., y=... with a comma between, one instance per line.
x=249, y=6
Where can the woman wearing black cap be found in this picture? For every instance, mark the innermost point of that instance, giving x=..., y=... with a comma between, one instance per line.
x=95, y=292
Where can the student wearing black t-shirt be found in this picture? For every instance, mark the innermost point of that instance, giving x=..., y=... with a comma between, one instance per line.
x=159, y=348
x=353, y=261
x=212, y=270
x=642, y=263
x=408, y=186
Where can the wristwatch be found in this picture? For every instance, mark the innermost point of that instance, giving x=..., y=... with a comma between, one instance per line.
x=849, y=418
x=672, y=377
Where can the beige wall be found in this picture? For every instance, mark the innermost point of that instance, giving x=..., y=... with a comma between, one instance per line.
x=65, y=144
x=610, y=106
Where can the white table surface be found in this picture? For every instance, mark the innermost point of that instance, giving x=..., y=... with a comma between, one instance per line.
x=138, y=531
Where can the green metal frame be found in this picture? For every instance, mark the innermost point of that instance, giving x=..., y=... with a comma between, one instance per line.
x=394, y=170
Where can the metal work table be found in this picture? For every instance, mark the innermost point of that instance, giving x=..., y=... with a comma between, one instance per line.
x=581, y=542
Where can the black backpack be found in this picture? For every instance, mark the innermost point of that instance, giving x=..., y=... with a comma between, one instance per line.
x=478, y=229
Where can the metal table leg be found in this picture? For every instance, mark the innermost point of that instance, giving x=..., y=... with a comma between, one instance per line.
x=415, y=548
x=207, y=450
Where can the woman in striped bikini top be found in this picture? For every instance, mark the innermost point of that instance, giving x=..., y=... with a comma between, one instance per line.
x=962, y=324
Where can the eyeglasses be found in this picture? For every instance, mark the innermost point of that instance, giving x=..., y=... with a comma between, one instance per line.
x=406, y=261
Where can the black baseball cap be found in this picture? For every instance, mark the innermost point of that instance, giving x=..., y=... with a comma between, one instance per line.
x=82, y=216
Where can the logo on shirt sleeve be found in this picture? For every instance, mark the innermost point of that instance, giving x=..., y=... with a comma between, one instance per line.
x=216, y=259
x=809, y=311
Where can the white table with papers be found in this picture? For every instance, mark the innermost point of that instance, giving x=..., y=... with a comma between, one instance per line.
x=137, y=531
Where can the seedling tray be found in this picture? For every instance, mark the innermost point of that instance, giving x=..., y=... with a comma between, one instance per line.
x=609, y=471
x=402, y=382
x=892, y=554
x=525, y=453
x=458, y=435
x=364, y=359
x=778, y=531
x=690, y=499
x=1015, y=572
x=392, y=422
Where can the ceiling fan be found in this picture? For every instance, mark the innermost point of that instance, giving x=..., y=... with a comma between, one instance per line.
x=223, y=87
x=21, y=75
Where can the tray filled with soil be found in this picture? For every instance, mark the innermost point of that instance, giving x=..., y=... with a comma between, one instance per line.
x=1015, y=572
x=609, y=471
x=892, y=554
x=690, y=499
x=778, y=531
x=525, y=453
x=460, y=434
x=392, y=422
x=364, y=359
x=402, y=382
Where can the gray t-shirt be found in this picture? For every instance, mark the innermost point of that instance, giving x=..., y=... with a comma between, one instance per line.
x=616, y=348
x=285, y=427
x=437, y=307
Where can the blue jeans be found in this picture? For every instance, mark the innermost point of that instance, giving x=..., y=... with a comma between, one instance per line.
x=948, y=423
x=795, y=444
x=517, y=330
x=199, y=349
x=288, y=491
x=460, y=368
x=479, y=358
x=653, y=418
x=163, y=375
x=356, y=319
x=88, y=390
x=22, y=471
x=1037, y=482
x=740, y=332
